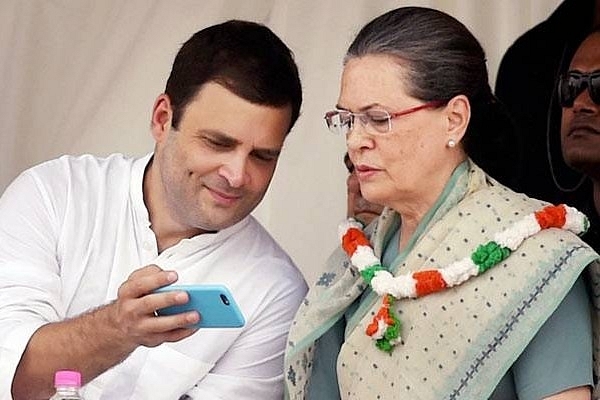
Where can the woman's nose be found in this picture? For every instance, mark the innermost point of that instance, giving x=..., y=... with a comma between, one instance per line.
x=357, y=136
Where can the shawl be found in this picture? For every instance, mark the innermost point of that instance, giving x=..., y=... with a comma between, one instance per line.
x=456, y=344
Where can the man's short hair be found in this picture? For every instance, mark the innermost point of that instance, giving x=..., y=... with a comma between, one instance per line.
x=245, y=57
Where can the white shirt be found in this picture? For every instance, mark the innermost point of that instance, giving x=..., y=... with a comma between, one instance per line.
x=74, y=228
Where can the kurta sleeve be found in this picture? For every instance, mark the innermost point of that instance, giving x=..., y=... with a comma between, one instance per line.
x=29, y=276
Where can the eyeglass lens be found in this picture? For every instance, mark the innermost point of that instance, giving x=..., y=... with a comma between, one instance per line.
x=574, y=83
x=338, y=122
x=342, y=121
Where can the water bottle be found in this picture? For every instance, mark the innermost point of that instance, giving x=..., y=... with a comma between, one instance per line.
x=67, y=384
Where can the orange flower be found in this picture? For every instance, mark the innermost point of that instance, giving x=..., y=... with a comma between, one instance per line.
x=551, y=216
x=428, y=281
x=352, y=239
x=373, y=327
x=387, y=300
x=383, y=314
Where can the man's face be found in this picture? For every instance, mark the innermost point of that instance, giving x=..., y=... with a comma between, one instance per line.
x=358, y=207
x=580, y=129
x=216, y=167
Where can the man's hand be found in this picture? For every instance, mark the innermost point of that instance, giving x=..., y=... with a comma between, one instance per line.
x=133, y=313
x=101, y=338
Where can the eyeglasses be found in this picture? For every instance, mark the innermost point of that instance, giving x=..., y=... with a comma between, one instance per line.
x=572, y=84
x=341, y=122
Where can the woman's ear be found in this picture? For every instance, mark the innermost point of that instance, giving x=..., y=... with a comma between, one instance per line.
x=458, y=113
x=162, y=116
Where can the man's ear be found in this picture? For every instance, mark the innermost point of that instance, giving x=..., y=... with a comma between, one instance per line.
x=162, y=117
x=458, y=113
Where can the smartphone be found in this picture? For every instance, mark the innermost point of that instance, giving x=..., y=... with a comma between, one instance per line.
x=215, y=303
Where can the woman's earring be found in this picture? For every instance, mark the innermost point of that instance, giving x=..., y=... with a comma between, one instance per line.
x=451, y=143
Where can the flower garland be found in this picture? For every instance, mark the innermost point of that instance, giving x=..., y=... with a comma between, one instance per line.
x=385, y=326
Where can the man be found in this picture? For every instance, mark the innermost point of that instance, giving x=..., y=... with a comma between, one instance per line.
x=358, y=207
x=75, y=231
x=579, y=97
x=526, y=78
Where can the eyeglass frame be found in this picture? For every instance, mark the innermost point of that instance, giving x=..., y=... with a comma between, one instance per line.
x=390, y=116
x=585, y=82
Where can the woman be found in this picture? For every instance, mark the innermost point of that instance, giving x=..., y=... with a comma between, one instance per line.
x=505, y=319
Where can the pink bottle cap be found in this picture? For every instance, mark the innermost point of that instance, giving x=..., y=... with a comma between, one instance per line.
x=67, y=378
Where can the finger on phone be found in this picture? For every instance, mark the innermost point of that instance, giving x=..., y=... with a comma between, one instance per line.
x=165, y=323
x=156, y=301
x=138, y=285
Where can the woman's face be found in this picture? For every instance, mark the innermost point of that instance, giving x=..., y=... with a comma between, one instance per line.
x=411, y=160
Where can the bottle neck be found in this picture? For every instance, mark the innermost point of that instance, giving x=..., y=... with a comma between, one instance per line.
x=67, y=389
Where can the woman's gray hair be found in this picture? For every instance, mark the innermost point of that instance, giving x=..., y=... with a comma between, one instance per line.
x=442, y=57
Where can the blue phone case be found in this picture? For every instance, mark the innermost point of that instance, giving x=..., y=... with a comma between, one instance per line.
x=215, y=303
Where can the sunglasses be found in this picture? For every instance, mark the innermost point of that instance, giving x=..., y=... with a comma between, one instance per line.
x=572, y=84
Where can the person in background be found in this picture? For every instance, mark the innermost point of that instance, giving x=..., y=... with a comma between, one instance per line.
x=527, y=76
x=463, y=289
x=358, y=207
x=579, y=97
x=85, y=241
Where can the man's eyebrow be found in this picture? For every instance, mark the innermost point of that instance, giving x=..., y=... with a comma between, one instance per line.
x=228, y=140
x=578, y=71
x=271, y=153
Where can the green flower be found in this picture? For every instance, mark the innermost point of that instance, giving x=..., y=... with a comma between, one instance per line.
x=392, y=332
x=489, y=254
x=368, y=273
x=385, y=345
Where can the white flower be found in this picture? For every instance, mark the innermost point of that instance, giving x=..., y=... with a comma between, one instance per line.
x=513, y=236
x=381, y=327
x=459, y=271
x=400, y=287
x=575, y=220
x=363, y=258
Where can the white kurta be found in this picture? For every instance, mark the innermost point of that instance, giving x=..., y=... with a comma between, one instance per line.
x=74, y=228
